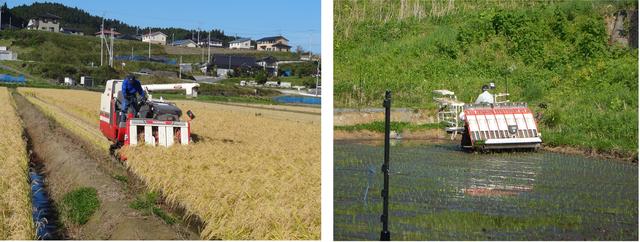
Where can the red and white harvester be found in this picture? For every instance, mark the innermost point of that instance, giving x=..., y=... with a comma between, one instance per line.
x=501, y=125
x=156, y=123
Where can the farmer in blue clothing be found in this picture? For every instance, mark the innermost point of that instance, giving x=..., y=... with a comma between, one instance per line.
x=131, y=86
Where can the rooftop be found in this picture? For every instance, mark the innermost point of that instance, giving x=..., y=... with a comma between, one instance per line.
x=239, y=40
x=272, y=38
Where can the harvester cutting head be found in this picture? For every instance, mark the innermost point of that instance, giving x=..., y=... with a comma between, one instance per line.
x=499, y=126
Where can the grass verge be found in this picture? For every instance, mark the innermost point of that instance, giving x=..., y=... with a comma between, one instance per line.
x=78, y=205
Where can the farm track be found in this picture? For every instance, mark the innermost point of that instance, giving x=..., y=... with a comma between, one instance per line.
x=70, y=163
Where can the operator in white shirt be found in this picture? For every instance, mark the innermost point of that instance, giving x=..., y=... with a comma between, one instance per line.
x=485, y=96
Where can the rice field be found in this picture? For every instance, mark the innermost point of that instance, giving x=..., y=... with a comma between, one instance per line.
x=15, y=200
x=438, y=192
x=253, y=174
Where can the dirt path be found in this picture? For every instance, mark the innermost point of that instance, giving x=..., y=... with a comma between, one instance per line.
x=68, y=165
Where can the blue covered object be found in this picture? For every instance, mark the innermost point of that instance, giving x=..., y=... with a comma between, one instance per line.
x=12, y=79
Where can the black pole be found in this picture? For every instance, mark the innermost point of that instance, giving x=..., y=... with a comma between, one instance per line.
x=385, y=235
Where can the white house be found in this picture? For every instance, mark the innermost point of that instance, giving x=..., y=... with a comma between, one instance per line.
x=184, y=43
x=155, y=38
x=46, y=22
x=240, y=44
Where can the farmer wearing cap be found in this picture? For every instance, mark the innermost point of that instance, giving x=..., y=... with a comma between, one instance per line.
x=131, y=86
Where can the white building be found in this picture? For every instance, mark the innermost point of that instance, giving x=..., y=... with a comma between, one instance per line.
x=155, y=38
x=212, y=43
x=47, y=22
x=184, y=43
x=6, y=54
x=240, y=44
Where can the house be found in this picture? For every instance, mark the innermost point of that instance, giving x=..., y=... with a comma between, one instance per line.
x=225, y=64
x=184, y=43
x=242, y=43
x=212, y=43
x=275, y=43
x=46, y=22
x=107, y=33
x=155, y=38
x=6, y=54
x=269, y=64
x=67, y=30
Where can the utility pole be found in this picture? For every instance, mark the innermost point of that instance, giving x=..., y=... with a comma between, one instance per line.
x=110, y=49
x=149, y=42
x=209, y=47
x=102, y=40
x=317, y=75
x=385, y=235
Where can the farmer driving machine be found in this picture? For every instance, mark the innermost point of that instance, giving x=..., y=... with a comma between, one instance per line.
x=156, y=122
x=495, y=125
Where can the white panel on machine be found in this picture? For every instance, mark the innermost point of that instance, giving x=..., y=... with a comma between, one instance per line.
x=148, y=135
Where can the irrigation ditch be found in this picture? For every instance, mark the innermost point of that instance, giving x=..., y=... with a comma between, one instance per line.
x=62, y=163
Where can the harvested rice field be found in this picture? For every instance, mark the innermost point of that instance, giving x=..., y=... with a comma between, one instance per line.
x=15, y=201
x=252, y=173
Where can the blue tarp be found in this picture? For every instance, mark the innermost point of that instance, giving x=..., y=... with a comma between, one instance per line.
x=160, y=59
x=12, y=79
x=298, y=99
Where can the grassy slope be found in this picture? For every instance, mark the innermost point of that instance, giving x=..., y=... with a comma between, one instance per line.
x=555, y=54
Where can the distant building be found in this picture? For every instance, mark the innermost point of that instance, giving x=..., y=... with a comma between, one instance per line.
x=275, y=43
x=46, y=22
x=184, y=43
x=66, y=30
x=6, y=54
x=212, y=43
x=269, y=64
x=242, y=43
x=108, y=33
x=155, y=38
x=225, y=64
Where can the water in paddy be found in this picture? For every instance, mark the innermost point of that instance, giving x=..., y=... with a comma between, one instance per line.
x=438, y=192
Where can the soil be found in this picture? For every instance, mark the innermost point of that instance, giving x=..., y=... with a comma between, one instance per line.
x=69, y=164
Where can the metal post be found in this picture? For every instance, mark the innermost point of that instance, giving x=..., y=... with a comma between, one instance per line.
x=385, y=235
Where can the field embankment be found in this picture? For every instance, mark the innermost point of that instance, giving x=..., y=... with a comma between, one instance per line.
x=15, y=199
x=552, y=55
x=253, y=172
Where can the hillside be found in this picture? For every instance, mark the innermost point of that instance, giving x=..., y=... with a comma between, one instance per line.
x=89, y=24
x=556, y=54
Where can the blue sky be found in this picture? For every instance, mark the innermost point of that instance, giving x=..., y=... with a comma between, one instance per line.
x=298, y=20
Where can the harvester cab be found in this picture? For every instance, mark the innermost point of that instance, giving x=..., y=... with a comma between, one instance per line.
x=156, y=122
x=488, y=126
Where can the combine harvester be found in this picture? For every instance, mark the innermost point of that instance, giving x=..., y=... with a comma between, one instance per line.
x=157, y=123
x=498, y=126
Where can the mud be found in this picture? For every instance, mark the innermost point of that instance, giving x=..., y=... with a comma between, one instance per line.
x=69, y=164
